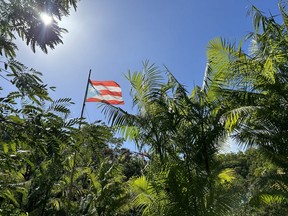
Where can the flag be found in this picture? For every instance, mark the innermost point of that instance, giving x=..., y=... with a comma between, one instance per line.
x=104, y=91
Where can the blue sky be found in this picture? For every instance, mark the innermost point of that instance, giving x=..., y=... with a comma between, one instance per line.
x=111, y=37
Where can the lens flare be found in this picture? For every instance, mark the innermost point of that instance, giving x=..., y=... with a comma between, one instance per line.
x=47, y=20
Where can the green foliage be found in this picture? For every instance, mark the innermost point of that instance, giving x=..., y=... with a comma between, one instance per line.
x=32, y=157
x=23, y=18
x=183, y=134
x=242, y=94
x=256, y=82
x=54, y=165
x=256, y=182
x=37, y=175
x=150, y=199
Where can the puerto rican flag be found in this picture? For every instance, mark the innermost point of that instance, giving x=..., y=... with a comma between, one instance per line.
x=104, y=91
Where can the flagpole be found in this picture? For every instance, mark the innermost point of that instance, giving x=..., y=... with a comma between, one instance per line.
x=84, y=101
x=75, y=151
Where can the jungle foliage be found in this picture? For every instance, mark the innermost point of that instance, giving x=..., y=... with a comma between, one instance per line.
x=52, y=164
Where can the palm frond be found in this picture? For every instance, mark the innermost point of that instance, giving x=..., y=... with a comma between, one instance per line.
x=145, y=84
x=117, y=116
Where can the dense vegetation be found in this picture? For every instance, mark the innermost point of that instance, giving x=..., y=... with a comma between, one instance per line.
x=54, y=165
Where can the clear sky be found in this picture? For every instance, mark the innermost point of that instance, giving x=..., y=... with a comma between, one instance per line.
x=112, y=36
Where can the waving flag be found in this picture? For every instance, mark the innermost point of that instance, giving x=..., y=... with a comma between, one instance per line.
x=104, y=91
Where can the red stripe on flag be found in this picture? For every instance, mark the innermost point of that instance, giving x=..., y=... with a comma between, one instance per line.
x=114, y=102
x=107, y=92
x=104, y=83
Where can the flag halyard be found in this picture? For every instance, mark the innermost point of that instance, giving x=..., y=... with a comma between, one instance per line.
x=105, y=91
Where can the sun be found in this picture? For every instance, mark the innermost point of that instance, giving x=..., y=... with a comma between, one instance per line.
x=47, y=20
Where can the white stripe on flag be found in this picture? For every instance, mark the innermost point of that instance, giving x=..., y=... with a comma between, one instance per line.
x=110, y=88
x=107, y=97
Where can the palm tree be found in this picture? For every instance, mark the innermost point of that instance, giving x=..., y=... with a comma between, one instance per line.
x=257, y=84
x=183, y=134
